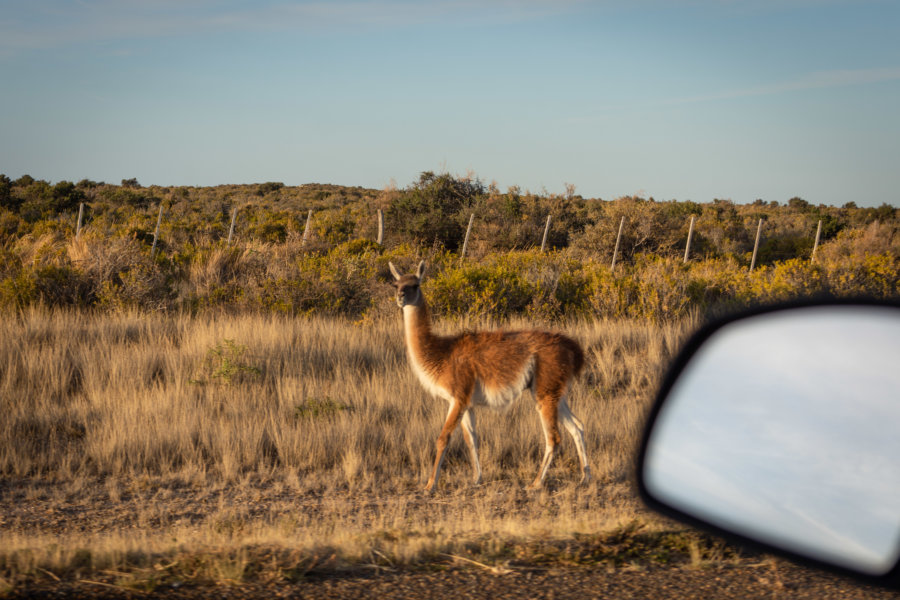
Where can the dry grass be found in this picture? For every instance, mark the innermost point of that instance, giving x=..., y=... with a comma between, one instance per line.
x=130, y=441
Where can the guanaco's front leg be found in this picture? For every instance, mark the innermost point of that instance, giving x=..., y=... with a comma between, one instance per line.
x=468, y=427
x=453, y=417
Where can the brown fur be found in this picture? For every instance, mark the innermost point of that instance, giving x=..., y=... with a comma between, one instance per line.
x=491, y=367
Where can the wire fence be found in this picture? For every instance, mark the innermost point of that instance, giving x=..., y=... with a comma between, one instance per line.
x=381, y=233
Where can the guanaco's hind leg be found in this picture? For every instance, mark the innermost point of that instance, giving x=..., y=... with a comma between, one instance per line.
x=549, y=423
x=575, y=428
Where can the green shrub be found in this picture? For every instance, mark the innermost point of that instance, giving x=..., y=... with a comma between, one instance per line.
x=226, y=363
x=433, y=210
x=359, y=247
x=268, y=188
x=49, y=284
x=137, y=198
x=333, y=283
x=480, y=290
x=144, y=286
x=314, y=408
x=11, y=226
x=62, y=286
x=18, y=291
x=6, y=197
x=272, y=226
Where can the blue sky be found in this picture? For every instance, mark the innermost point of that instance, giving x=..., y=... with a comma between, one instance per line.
x=677, y=100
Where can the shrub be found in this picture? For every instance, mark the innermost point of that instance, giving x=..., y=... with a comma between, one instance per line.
x=335, y=226
x=127, y=196
x=314, y=408
x=305, y=283
x=50, y=285
x=11, y=226
x=143, y=286
x=432, y=210
x=268, y=187
x=226, y=363
x=17, y=291
x=62, y=286
x=480, y=290
x=272, y=226
x=6, y=197
x=359, y=247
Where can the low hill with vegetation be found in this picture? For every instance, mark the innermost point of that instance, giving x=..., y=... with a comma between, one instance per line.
x=311, y=249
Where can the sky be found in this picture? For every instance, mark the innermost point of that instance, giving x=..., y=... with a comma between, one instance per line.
x=693, y=100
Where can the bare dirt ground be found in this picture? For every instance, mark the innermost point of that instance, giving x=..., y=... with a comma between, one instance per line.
x=32, y=508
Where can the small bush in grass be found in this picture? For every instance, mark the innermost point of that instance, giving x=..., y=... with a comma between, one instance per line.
x=226, y=362
x=312, y=408
x=17, y=291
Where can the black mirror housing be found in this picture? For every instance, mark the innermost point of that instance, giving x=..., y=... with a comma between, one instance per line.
x=779, y=429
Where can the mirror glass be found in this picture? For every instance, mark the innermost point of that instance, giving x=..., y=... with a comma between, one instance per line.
x=785, y=428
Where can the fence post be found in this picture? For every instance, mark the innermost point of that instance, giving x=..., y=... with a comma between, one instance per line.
x=618, y=240
x=687, y=247
x=380, y=239
x=546, y=231
x=756, y=245
x=462, y=254
x=231, y=229
x=816, y=244
x=156, y=232
x=306, y=228
x=81, y=214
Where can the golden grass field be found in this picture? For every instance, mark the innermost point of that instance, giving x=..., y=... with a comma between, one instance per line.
x=139, y=448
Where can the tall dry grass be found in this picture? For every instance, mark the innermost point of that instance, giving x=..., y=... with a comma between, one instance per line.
x=302, y=434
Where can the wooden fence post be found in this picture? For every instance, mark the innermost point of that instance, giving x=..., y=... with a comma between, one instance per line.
x=546, y=231
x=306, y=228
x=756, y=245
x=687, y=247
x=81, y=215
x=156, y=233
x=380, y=239
x=231, y=229
x=816, y=244
x=618, y=241
x=462, y=254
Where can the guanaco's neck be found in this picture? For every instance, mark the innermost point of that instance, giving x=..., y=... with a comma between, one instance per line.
x=421, y=344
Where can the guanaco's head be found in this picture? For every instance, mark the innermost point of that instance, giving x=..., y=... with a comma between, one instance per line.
x=408, y=292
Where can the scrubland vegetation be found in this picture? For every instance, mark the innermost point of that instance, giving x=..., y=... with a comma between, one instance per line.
x=339, y=270
x=217, y=412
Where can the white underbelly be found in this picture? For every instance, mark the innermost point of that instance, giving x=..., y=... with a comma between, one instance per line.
x=498, y=399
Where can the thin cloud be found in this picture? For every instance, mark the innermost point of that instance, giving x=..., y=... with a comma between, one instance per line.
x=812, y=81
x=33, y=26
x=820, y=80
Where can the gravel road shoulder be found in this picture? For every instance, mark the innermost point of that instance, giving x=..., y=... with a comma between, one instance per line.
x=769, y=579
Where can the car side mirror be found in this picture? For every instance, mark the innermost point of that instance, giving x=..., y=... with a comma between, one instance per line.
x=781, y=429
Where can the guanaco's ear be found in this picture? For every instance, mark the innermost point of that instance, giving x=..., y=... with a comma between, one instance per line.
x=394, y=271
x=420, y=270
